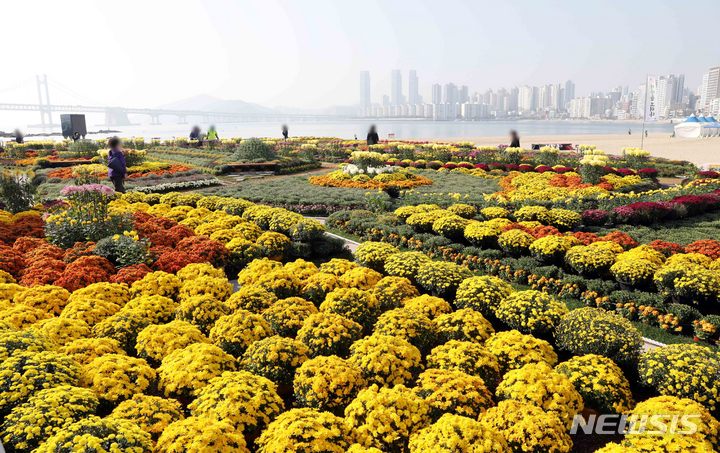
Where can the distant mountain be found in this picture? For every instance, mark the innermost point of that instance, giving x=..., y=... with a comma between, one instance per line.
x=333, y=110
x=207, y=103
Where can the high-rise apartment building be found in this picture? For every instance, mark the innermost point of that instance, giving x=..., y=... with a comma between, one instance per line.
x=556, y=94
x=569, y=91
x=365, y=100
x=710, y=89
x=396, y=96
x=513, y=100
x=547, y=98
x=463, y=94
x=666, y=95
x=450, y=93
x=413, y=91
x=679, y=90
x=527, y=99
x=436, y=93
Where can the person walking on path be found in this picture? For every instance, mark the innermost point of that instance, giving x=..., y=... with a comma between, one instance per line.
x=514, y=139
x=372, y=137
x=117, y=168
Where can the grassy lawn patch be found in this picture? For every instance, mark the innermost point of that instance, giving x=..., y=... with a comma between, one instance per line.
x=295, y=192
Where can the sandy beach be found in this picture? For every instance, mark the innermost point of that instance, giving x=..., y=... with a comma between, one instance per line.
x=699, y=151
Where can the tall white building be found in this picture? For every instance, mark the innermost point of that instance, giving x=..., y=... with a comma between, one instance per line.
x=556, y=95
x=669, y=94
x=445, y=112
x=590, y=107
x=527, y=98
x=450, y=93
x=543, y=100
x=714, y=108
x=679, y=89
x=463, y=94
x=569, y=91
x=512, y=102
x=710, y=89
x=365, y=99
x=579, y=108
x=474, y=111
x=396, y=96
x=436, y=93
x=413, y=92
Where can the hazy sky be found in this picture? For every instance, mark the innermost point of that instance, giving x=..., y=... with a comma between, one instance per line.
x=308, y=53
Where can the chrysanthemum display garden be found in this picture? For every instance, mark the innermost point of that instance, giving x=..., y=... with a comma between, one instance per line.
x=493, y=298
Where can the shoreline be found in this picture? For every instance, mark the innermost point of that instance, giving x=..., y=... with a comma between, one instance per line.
x=700, y=151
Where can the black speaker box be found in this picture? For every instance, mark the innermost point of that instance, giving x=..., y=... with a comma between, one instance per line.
x=71, y=124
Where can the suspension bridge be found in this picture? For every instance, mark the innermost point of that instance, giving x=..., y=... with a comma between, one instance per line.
x=119, y=116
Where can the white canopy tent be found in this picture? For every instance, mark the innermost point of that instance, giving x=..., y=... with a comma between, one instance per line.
x=697, y=127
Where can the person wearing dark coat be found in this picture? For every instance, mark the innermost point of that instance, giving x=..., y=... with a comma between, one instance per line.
x=514, y=139
x=117, y=167
x=372, y=137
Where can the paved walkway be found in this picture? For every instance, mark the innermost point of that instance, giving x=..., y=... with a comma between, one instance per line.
x=352, y=245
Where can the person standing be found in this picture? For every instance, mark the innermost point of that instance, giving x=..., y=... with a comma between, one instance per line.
x=117, y=168
x=629, y=131
x=212, y=135
x=19, y=137
x=285, y=132
x=514, y=139
x=372, y=137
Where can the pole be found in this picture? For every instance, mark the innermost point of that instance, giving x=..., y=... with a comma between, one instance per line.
x=40, y=102
x=47, y=100
x=642, y=134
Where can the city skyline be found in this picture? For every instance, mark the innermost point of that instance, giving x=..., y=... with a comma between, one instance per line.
x=668, y=94
x=259, y=52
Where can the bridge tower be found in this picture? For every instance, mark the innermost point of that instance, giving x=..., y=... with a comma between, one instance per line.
x=116, y=116
x=45, y=109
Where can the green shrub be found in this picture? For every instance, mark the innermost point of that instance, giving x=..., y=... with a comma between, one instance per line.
x=16, y=191
x=123, y=250
x=254, y=150
x=686, y=315
x=83, y=148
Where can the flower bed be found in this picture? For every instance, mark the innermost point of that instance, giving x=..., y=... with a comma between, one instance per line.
x=141, y=343
x=397, y=180
x=238, y=385
x=136, y=171
x=641, y=282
